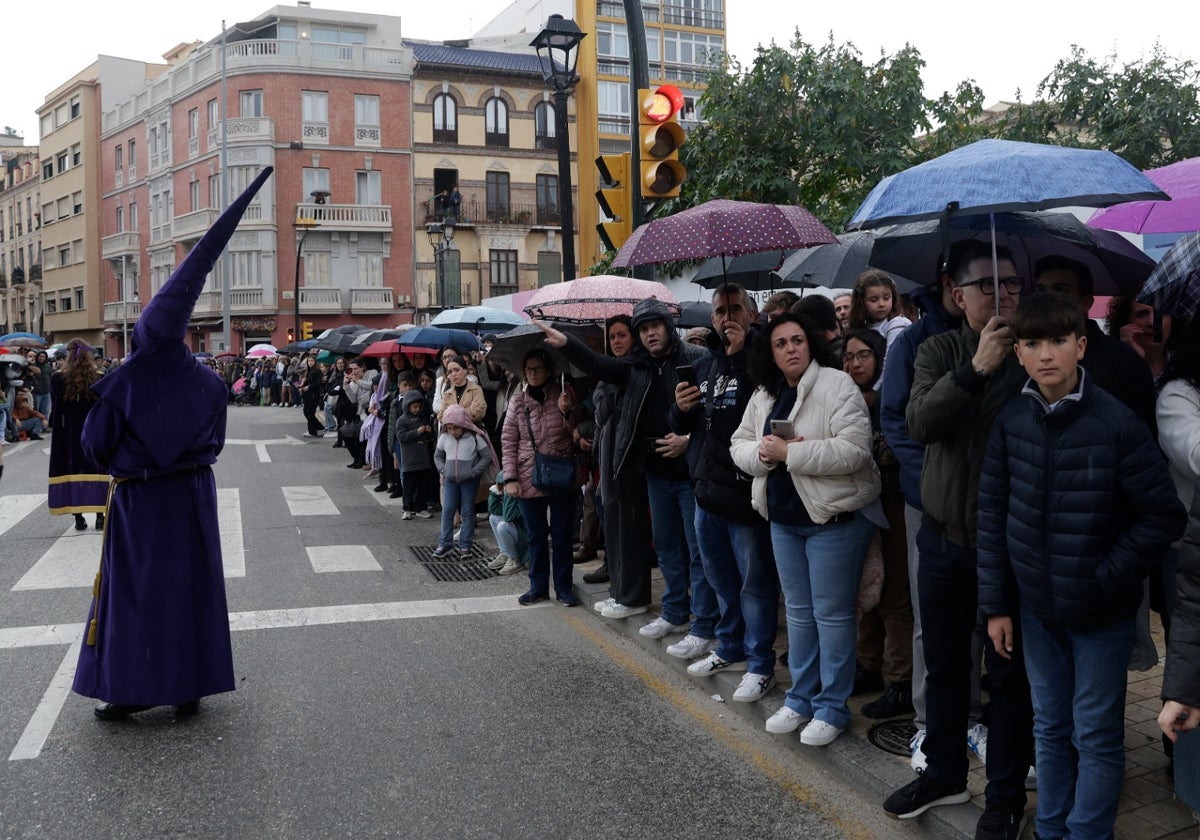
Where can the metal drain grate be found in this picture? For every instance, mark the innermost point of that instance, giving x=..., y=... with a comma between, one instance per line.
x=892, y=736
x=454, y=567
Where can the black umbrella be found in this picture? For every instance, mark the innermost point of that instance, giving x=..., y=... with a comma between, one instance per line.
x=695, y=314
x=367, y=337
x=835, y=266
x=750, y=271
x=335, y=342
x=510, y=348
x=1117, y=266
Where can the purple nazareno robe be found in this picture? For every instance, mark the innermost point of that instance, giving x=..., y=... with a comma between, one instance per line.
x=77, y=484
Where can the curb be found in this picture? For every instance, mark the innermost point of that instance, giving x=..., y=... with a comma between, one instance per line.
x=851, y=756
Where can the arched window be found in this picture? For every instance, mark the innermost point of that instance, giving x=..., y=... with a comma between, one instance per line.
x=495, y=122
x=543, y=126
x=445, y=119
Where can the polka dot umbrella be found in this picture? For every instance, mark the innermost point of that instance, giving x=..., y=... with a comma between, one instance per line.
x=723, y=228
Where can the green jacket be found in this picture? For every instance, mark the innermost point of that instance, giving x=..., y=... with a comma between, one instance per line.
x=950, y=410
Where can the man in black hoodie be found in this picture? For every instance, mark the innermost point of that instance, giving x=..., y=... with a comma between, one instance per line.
x=735, y=542
x=650, y=472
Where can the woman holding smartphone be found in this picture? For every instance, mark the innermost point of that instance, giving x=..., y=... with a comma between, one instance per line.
x=806, y=439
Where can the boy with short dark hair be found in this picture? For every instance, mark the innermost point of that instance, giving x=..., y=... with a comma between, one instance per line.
x=1075, y=505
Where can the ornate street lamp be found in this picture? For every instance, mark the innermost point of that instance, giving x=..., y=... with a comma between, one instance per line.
x=557, y=49
x=440, y=236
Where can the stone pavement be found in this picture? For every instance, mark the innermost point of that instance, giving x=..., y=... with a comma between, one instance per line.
x=1147, y=811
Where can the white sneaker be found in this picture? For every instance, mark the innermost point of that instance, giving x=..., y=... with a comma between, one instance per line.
x=498, y=562
x=1031, y=778
x=918, y=761
x=977, y=742
x=660, y=627
x=785, y=720
x=753, y=687
x=511, y=566
x=408, y=514
x=600, y=605
x=819, y=733
x=713, y=664
x=691, y=646
x=617, y=610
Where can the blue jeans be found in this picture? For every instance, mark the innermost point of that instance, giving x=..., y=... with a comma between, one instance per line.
x=1077, y=679
x=330, y=423
x=458, y=496
x=673, y=523
x=506, y=535
x=32, y=426
x=740, y=567
x=41, y=404
x=820, y=567
x=561, y=509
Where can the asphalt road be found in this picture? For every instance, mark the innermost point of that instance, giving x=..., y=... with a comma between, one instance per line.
x=372, y=700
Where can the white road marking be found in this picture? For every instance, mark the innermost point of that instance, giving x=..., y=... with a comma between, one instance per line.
x=309, y=501
x=233, y=548
x=48, y=709
x=342, y=558
x=264, y=457
x=71, y=561
x=15, y=508
x=384, y=499
x=46, y=715
x=287, y=440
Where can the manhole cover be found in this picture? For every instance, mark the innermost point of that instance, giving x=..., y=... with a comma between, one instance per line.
x=454, y=566
x=892, y=736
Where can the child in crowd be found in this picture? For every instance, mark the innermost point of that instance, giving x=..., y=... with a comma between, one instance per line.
x=875, y=304
x=463, y=455
x=508, y=529
x=414, y=432
x=1075, y=506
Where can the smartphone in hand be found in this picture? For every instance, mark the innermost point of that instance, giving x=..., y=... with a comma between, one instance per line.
x=783, y=429
x=687, y=373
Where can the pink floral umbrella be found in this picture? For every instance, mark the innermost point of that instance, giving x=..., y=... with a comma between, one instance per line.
x=723, y=228
x=590, y=300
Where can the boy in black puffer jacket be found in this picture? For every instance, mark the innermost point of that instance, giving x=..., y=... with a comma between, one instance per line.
x=1075, y=505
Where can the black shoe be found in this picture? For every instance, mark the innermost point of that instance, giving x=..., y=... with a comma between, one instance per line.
x=866, y=681
x=117, y=711
x=532, y=597
x=338, y=445
x=80, y=525
x=188, y=709
x=600, y=575
x=32, y=436
x=896, y=701
x=584, y=554
x=921, y=794
x=396, y=492
x=356, y=465
x=568, y=599
x=1000, y=822
x=381, y=487
x=99, y=521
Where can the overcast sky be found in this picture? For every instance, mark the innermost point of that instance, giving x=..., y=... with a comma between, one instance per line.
x=1003, y=46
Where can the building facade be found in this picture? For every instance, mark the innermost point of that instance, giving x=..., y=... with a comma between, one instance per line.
x=20, y=240
x=323, y=97
x=483, y=124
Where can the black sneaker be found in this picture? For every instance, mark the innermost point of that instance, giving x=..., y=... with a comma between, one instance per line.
x=921, y=794
x=896, y=701
x=1000, y=822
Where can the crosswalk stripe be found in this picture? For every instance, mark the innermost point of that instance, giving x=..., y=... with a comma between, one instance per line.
x=48, y=709
x=384, y=499
x=15, y=508
x=233, y=547
x=309, y=501
x=342, y=558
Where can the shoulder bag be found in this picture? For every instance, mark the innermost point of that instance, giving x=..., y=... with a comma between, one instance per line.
x=551, y=473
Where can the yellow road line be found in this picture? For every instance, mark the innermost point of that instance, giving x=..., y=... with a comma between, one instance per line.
x=777, y=772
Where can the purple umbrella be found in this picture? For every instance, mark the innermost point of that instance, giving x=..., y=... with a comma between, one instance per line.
x=722, y=228
x=1181, y=181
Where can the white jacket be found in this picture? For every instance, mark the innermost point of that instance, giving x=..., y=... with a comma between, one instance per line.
x=832, y=467
x=1178, y=414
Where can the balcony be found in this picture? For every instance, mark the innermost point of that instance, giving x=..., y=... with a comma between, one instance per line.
x=473, y=213
x=244, y=129
x=320, y=300
x=367, y=135
x=349, y=217
x=368, y=300
x=316, y=133
x=242, y=300
x=193, y=225
x=117, y=311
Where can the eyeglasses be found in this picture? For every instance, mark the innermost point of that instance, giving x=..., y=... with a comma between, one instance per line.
x=987, y=285
x=862, y=356
x=530, y=370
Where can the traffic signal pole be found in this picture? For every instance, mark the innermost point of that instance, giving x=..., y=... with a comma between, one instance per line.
x=639, y=78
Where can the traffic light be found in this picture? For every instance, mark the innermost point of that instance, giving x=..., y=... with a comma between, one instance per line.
x=661, y=135
x=306, y=330
x=291, y=335
x=616, y=200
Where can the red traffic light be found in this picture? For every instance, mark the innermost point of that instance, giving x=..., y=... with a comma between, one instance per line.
x=662, y=103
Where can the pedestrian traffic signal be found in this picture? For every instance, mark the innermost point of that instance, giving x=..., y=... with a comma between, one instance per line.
x=661, y=135
x=291, y=335
x=615, y=197
x=306, y=330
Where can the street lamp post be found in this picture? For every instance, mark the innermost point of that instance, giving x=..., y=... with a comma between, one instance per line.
x=440, y=237
x=557, y=50
x=303, y=224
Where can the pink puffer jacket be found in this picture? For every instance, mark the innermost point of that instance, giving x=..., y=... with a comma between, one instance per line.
x=552, y=431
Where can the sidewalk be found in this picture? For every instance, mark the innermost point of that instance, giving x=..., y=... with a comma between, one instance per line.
x=1147, y=810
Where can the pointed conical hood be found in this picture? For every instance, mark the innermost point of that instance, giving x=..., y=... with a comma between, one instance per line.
x=166, y=316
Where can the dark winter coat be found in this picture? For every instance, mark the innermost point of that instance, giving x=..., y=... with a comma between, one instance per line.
x=1181, y=676
x=1075, y=508
x=415, y=451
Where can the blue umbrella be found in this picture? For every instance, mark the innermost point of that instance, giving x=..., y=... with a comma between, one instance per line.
x=28, y=337
x=992, y=176
x=478, y=318
x=460, y=340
